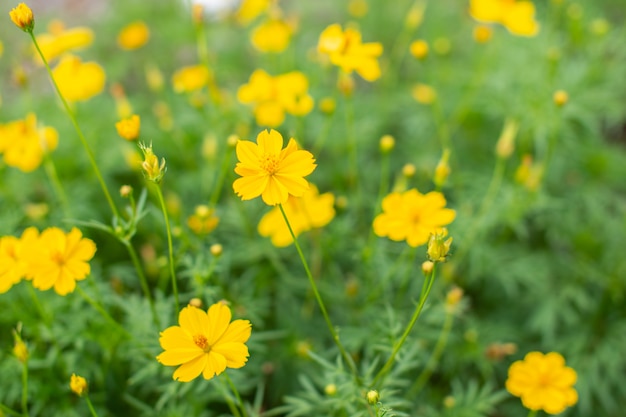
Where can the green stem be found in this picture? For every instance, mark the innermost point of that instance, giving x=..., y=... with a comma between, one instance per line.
x=170, y=248
x=142, y=279
x=426, y=287
x=101, y=310
x=84, y=142
x=237, y=396
x=56, y=184
x=38, y=306
x=25, y=389
x=90, y=405
x=229, y=401
x=351, y=139
x=219, y=184
x=9, y=411
x=532, y=413
x=331, y=328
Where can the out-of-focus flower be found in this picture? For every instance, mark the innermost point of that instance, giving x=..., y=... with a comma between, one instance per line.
x=412, y=216
x=310, y=211
x=59, y=40
x=560, y=98
x=543, y=382
x=11, y=267
x=203, y=221
x=358, y=8
x=20, y=350
x=327, y=105
x=442, y=170
x=250, y=10
x=191, y=78
x=77, y=80
x=419, y=49
x=129, y=128
x=23, y=17
x=272, y=97
x=133, y=36
x=205, y=343
x=78, y=385
x=482, y=33
x=386, y=143
x=269, y=171
x=273, y=35
x=424, y=94
x=506, y=143
x=154, y=77
x=345, y=49
x=24, y=144
x=517, y=16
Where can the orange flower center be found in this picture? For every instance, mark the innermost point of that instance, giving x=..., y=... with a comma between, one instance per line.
x=58, y=258
x=545, y=380
x=201, y=341
x=269, y=163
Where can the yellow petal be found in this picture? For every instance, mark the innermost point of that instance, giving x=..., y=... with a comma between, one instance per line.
x=215, y=365
x=190, y=370
x=250, y=187
x=219, y=318
x=236, y=354
x=274, y=193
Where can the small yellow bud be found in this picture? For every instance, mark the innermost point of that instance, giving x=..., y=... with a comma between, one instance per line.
x=373, y=397
x=387, y=143
x=23, y=17
x=482, y=34
x=126, y=191
x=129, y=128
x=341, y=202
x=599, y=27
x=438, y=248
x=216, y=250
x=427, y=267
x=20, y=350
x=328, y=105
x=203, y=221
x=449, y=401
x=36, y=211
x=196, y=302
x=232, y=140
x=345, y=84
x=424, y=94
x=78, y=385
x=415, y=16
x=506, y=142
x=453, y=298
x=560, y=98
x=330, y=389
x=152, y=170
x=419, y=49
x=442, y=171
x=303, y=348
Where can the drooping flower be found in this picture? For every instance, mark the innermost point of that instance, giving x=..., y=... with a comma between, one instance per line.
x=269, y=171
x=543, y=382
x=345, y=49
x=518, y=16
x=23, y=17
x=205, y=343
x=272, y=97
x=60, y=259
x=129, y=128
x=310, y=211
x=77, y=80
x=191, y=78
x=133, y=36
x=60, y=40
x=413, y=216
x=273, y=35
x=24, y=144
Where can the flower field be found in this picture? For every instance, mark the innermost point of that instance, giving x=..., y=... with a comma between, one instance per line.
x=350, y=208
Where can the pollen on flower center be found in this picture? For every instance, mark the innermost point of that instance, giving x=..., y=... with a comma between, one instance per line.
x=269, y=163
x=201, y=341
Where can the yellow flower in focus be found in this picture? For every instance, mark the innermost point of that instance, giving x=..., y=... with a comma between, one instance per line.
x=60, y=259
x=438, y=248
x=78, y=385
x=60, y=40
x=203, y=221
x=310, y=211
x=273, y=35
x=413, y=216
x=78, y=81
x=250, y=9
x=23, y=17
x=205, y=343
x=272, y=97
x=152, y=169
x=424, y=94
x=191, y=78
x=419, y=49
x=517, y=16
x=543, y=382
x=23, y=143
x=269, y=171
x=133, y=36
x=345, y=49
x=129, y=128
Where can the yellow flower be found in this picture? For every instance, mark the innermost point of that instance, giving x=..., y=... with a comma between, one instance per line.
x=60, y=40
x=60, y=259
x=517, y=16
x=412, y=216
x=250, y=9
x=24, y=144
x=346, y=50
x=310, y=211
x=560, y=98
x=205, y=343
x=23, y=17
x=203, y=221
x=543, y=382
x=192, y=78
x=77, y=80
x=12, y=262
x=419, y=49
x=129, y=128
x=438, y=248
x=273, y=35
x=482, y=33
x=272, y=97
x=271, y=172
x=20, y=350
x=78, y=385
x=424, y=94
x=133, y=36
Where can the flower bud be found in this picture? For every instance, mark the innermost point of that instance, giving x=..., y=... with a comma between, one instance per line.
x=419, y=49
x=424, y=94
x=438, y=248
x=152, y=170
x=373, y=397
x=327, y=105
x=196, y=302
x=427, y=267
x=387, y=143
x=560, y=98
x=216, y=250
x=129, y=128
x=126, y=191
x=408, y=170
x=330, y=389
x=23, y=17
x=506, y=142
x=78, y=385
x=442, y=171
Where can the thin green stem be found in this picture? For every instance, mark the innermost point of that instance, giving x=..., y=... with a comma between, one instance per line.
x=90, y=405
x=101, y=310
x=170, y=248
x=38, y=306
x=532, y=413
x=81, y=136
x=56, y=184
x=426, y=287
x=318, y=297
x=9, y=411
x=25, y=389
x=351, y=139
x=142, y=279
x=235, y=391
x=219, y=184
x=231, y=405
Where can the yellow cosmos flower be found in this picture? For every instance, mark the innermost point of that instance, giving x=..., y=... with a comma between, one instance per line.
x=191, y=78
x=23, y=17
x=77, y=80
x=250, y=10
x=60, y=259
x=11, y=269
x=24, y=144
x=205, y=343
x=346, y=50
x=413, y=216
x=133, y=36
x=60, y=40
x=517, y=16
x=272, y=97
x=543, y=382
x=78, y=385
x=310, y=211
x=273, y=35
x=271, y=172
x=129, y=128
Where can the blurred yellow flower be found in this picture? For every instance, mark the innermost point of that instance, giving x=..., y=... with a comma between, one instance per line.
x=203, y=221
x=424, y=94
x=345, y=49
x=269, y=171
x=543, y=382
x=23, y=143
x=129, y=128
x=60, y=40
x=77, y=80
x=205, y=343
x=358, y=8
x=250, y=10
x=273, y=35
x=11, y=269
x=23, y=17
x=191, y=78
x=310, y=211
x=413, y=216
x=419, y=49
x=133, y=36
x=60, y=259
x=482, y=33
x=517, y=16
x=78, y=385
x=272, y=97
